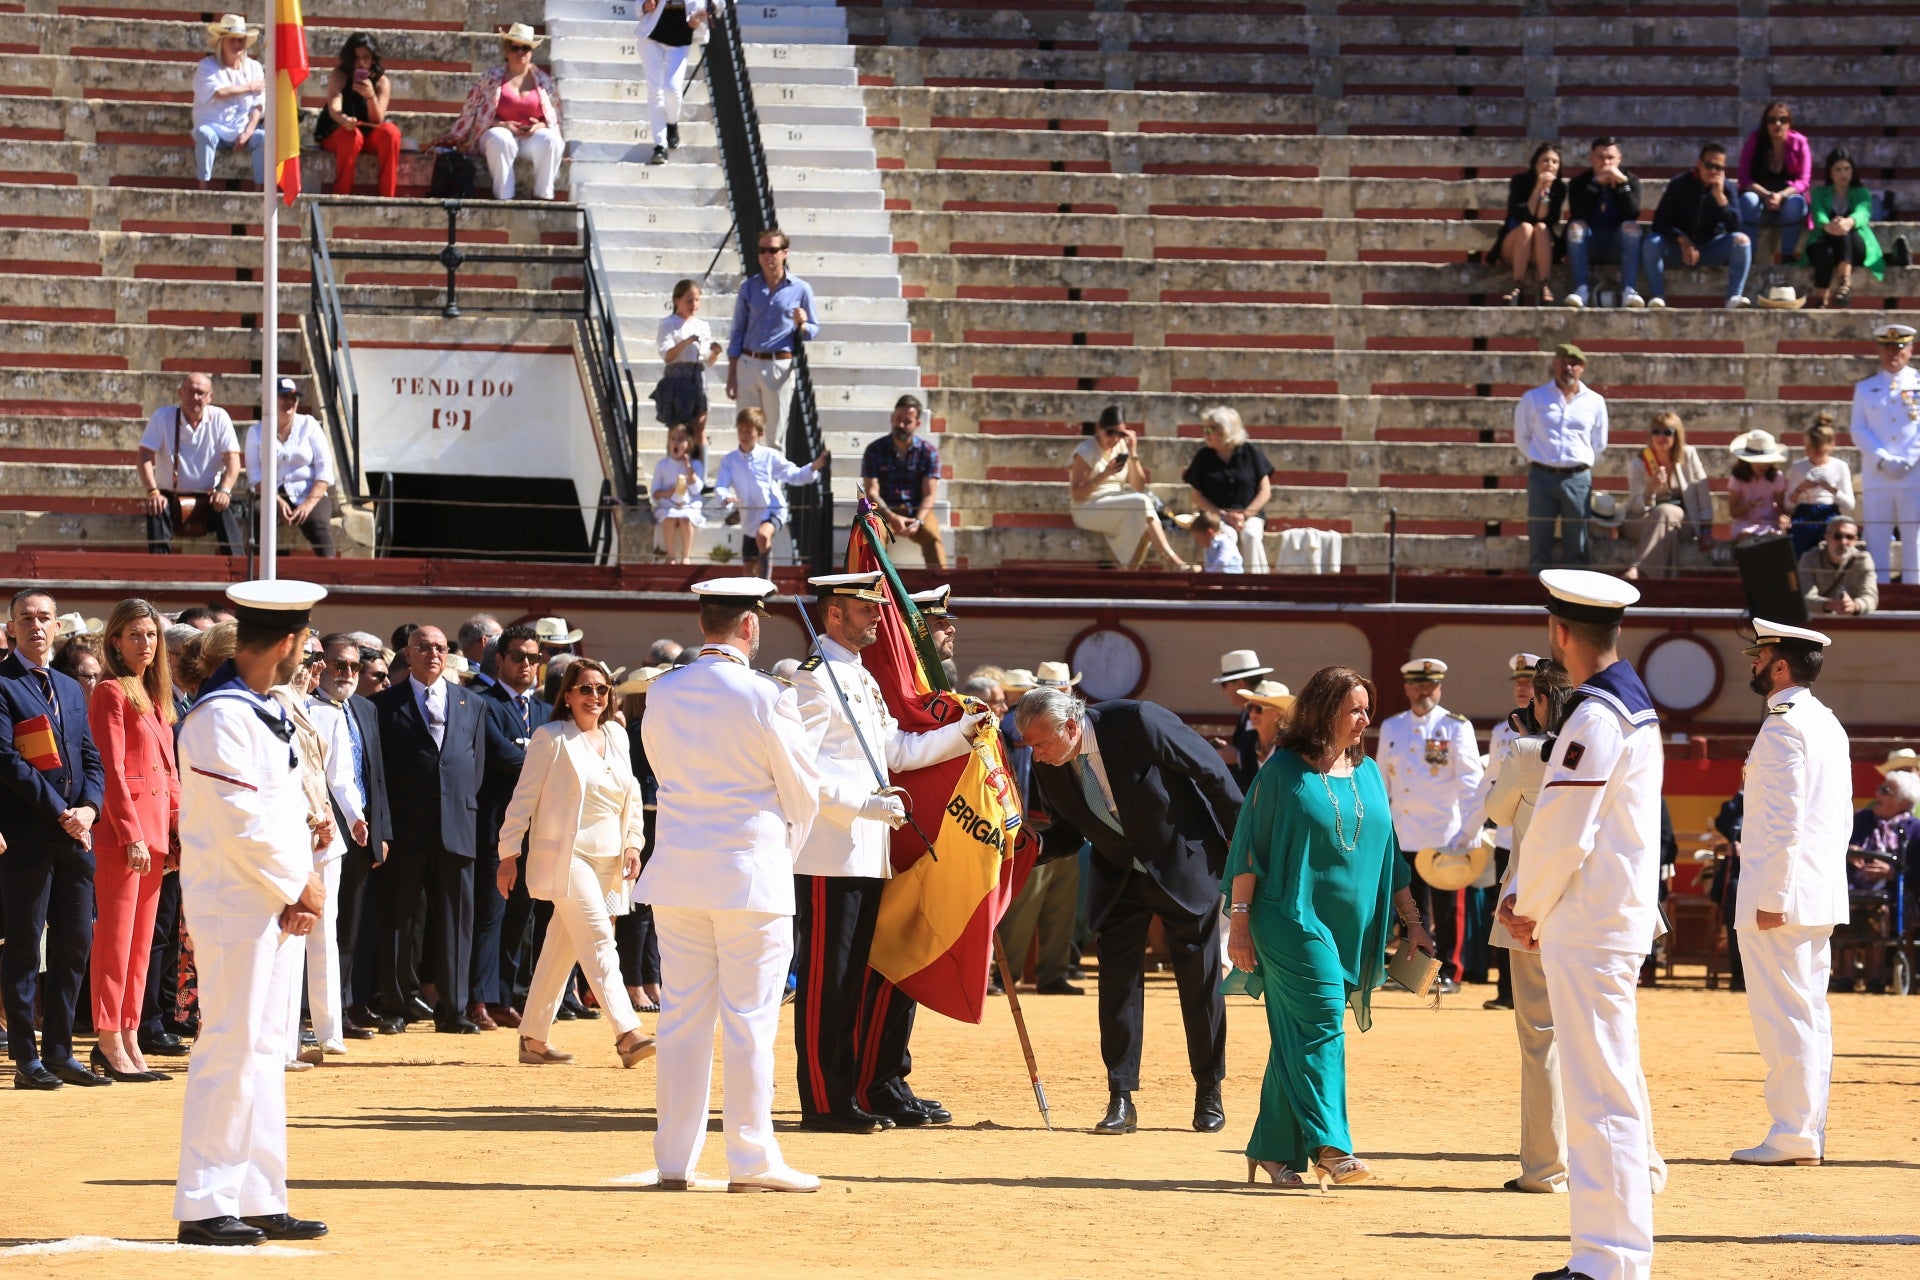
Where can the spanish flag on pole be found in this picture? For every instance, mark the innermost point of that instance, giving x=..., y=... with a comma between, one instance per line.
x=934, y=936
x=290, y=63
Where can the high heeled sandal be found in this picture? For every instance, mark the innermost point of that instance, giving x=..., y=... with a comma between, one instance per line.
x=541, y=1057
x=1344, y=1169
x=1278, y=1174
x=639, y=1051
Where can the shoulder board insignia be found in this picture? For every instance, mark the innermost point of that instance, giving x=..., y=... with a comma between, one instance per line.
x=813, y=663
x=1780, y=710
x=779, y=680
x=1455, y=715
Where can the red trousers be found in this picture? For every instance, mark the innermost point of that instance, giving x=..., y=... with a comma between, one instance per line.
x=122, y=937
x=346, y=144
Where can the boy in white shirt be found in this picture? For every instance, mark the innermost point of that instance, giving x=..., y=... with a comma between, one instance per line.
x=751, y=479
x=1218, y=554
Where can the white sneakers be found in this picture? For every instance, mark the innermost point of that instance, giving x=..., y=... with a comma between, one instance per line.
x=1656, y=303
x=1764, y=1154
x=781, y=1179
x=1632, y=300
x=1579, y=298
x=1738, y=301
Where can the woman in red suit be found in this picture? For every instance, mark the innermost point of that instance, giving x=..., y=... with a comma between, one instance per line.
x=131, y=714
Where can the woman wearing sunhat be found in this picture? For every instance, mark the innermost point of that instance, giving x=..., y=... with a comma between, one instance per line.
x=1757, y=491
x=513, y=110
x=229, y=98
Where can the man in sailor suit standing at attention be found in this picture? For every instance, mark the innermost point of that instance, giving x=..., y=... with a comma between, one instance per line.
x=249, y=886
x=1886, y=426
x=737, y=794
x=844, y=864
x=1431, y=760
x=1793, y=886
x=1586, y=896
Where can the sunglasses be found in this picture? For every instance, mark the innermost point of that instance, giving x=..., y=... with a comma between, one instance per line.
x=519, y=48
x=1717, y=168
x=1661, y=431
x=1843, y=537
x=379, y=677
x=344, y=667
x=1779, y=119
x=766, y=249
x=593, y=690
x=510, y=656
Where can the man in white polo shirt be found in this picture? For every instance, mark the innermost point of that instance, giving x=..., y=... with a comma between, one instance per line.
x=189, y=461
x=1560, y=427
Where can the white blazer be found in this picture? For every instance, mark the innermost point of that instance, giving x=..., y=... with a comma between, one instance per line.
x=1799, y=815
x=548, y=799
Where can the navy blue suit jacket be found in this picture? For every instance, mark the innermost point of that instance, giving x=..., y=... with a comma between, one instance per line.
x=506, y=754
x=433, y=793
x=31, y=801
x=379, y=818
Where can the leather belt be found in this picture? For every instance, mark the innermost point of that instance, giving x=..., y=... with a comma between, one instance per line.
x=1562, y=471
x=769, y=355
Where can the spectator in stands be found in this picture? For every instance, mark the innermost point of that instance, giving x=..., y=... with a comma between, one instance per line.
x=193, y=491
x=901, y=474
x=1666, y=491
x=1819, y=487
x=1217, y=550
x=677, y=481
x=665, y=33
x=303, y=471
x=1534, y=198
x=513, y=109
x=773, y=313
x=1776, y=172
x=1269, y=712
x=1107, y=489
x=752, y=478
x=1560, y=428
x=1838, y=575
x=229, y=98
x=688, y=350
x=355, y=117
x=1841, y=240
x=1757, y=493
x=1697, y=224
x=1232, y=480
x=1603, y=223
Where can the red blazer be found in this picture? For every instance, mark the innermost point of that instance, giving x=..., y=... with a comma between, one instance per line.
x=143, y=783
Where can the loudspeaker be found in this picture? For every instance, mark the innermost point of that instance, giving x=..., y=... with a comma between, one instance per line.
x=1771, y=577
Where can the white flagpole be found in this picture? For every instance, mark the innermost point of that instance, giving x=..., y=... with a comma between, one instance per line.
x=265, y=496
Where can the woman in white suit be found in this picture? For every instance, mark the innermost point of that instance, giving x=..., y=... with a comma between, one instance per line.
x=580, y=809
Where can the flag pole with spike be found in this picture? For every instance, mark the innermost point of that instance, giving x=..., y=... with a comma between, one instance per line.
x=1020, y=1025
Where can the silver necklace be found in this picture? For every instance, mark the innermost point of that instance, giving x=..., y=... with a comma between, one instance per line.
x=1340, y=840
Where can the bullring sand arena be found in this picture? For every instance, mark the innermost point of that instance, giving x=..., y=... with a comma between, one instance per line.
x=435, y=1156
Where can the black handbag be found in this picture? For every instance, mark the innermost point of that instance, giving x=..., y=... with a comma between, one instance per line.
x=452, y=176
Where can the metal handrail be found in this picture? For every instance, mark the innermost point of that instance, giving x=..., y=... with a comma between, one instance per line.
x=608, y=344
x=339, y=389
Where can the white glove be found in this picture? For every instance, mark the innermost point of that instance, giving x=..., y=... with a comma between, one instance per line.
x=970, y=725
x=887, y=809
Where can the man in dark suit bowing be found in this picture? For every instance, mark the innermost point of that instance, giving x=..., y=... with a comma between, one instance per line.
x=1159, y=807
x=368, y=848
x=433, y=739
x=51, y=785
x=514, y=710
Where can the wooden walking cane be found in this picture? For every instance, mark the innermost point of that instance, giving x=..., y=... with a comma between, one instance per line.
x=1020, y=1025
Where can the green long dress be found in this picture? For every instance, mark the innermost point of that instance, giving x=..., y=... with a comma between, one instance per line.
x=1320, y=916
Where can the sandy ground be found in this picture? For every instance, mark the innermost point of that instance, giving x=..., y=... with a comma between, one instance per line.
x=434, y=1156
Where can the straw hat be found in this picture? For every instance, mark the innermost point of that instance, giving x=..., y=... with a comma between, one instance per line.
x=1450, y=869
x=521, y=33
x=639, y=680
x=1904, y=758
x=1240, y=664
x=1604, y=510
x=1756, y=448
x=1268, y=693
x=72, y=624
x=229, y=25
x=1055, y=675
x=1782, y=298
x=554, y=631
x=1017, y=680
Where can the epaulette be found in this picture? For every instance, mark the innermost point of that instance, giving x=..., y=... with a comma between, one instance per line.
x=779, y=680
x=1780, y=710
x=813, y=663
x=1455, y=715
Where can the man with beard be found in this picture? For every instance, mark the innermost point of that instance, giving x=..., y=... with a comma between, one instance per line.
x=900, y=474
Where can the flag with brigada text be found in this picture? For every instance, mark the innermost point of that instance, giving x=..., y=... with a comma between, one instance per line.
x=934, y=936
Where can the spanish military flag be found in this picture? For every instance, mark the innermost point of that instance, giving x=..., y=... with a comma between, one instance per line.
x=934, y=936
x=290, y=64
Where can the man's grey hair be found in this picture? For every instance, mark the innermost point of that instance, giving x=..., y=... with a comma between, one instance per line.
x=664, y=651
x=178, y=634
x=368, y=642
x=481, y=626
x=1056, y=707
x=1907, y=784
x=980, y=687
x=1834, y=522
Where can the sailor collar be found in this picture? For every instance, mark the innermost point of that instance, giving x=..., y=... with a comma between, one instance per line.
x=1620, y=688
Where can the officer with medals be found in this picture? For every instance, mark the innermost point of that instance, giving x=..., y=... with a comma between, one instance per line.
x=1431, y=760
x=737, y=794
x=844, y=863
x=249, y=887
x=1586, y=896
x=1886, y=426
x=1793, y=886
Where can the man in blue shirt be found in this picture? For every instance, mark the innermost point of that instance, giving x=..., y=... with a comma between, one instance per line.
x=901, y=477
x=773, y=312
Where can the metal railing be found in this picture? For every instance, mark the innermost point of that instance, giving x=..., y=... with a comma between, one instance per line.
x=338, y=390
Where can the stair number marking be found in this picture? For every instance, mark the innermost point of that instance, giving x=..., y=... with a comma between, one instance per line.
x=453, y=419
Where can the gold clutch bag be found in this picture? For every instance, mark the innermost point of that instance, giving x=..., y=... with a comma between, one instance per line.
x=1413, y=969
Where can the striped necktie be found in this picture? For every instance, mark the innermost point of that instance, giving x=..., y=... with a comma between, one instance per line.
x=1096, y=799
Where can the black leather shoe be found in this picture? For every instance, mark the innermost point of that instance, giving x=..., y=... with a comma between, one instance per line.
x=416, y=1010
x=460, y=1026
x=354, y=1031
x=226, y=1230
x=1059, y=987
x=907, y=1118
x=885, y=1122
x=1560, y=1273
x=1120, y=1117
x=71, y=1072
x=1208, y=1115
x=841, y=1122
x=673, y=137
x=164, y=1045
x=936, y=1114
x=284, y=1226
x=35, y=1076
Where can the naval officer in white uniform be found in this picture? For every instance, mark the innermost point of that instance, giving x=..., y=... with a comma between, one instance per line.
x=1520, y=668
x=737, y=794
x=844, y=864
x=1431, y=760
x=1586, y=894
x=1886, y=426
x=1793, y=887
x=249, y=886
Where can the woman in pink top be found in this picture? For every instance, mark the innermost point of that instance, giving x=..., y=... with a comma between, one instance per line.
x=513, y=111
x=1757, y=491
x=1776, y=178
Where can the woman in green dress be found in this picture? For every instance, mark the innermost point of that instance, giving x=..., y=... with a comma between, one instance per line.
x=1314, y=879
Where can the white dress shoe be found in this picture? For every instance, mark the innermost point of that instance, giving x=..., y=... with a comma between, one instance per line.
x=1764, y=1154
x=775, y=1180
x=334, y=1047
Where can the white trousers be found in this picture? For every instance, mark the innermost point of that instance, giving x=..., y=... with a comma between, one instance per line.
x=728, y=967
x=233, y=1123
x=1884, y=505
x=543, y=150
x=665, y=67
x=1253, y=544
x=1122, y=516
x=1787, y=973
x=768, y=386
x=1610, y=1194
x=323, y=969
x=581, y=931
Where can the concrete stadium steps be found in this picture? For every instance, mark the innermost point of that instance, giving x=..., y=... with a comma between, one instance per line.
x=129, y=80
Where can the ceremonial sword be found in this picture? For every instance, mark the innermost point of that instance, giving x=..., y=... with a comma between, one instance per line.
x=880, y=778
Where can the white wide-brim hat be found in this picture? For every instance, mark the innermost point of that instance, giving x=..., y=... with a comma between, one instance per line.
x=229, y=26
x=521, y=33
x=1604, y=510
x=1904, y=758
x=555, y=631
x=1756, y=448
x=1240, y=664
x=1055, y=675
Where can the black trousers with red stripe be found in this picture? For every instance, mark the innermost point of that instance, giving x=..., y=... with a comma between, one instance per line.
x=881, y=1059
x=850, y=1025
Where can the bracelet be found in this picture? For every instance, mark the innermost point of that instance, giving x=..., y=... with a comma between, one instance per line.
x=1238, y=908
x=152, y=492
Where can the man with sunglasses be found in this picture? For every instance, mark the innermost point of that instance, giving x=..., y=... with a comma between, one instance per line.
x=1838, y=574
x=773, y=313
x=1697, y=224
x=514, y=710
x=367, y=845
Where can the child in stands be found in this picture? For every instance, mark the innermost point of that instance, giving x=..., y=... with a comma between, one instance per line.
x=677, y=481
x=1217, y=554
x=751, y=479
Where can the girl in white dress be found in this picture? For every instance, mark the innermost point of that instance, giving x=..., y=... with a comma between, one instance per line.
x=677, y=481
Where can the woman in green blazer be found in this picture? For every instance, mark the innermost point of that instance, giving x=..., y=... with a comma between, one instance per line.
x=1842, y=238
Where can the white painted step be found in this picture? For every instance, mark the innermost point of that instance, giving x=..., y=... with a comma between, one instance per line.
x=643, y=280
x=699, y=141
x=782, y=144
x=809, y=114
x=811, y=223
x=659, y=241
x=834, y=188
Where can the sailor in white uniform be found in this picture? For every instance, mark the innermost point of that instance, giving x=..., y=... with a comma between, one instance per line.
x=1886, y=426
x=1520, y=668
x=737, y=794
x=1586, y=894
x=1431, y=760
x=1793, y=887
x=249, y=886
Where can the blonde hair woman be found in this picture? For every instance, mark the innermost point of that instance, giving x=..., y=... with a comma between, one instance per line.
x=229, y=98
x=580, y=809
x=1232, y=479
x=1666, y=490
